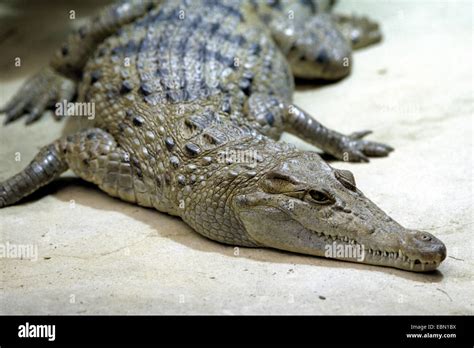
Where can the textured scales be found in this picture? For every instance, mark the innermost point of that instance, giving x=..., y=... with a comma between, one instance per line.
x=190, y=99
x=170, y=106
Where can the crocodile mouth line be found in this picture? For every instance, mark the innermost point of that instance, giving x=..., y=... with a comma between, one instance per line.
x=381, y=257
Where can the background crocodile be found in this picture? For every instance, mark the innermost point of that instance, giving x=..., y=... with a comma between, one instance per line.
x=181, y=89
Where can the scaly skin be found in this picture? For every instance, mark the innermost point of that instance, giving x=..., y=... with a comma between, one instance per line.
x=190, y=99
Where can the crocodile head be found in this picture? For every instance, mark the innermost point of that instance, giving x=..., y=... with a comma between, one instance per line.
x=306, y=206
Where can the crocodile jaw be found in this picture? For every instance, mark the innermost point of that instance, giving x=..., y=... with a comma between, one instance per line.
x=380, y=256
x=273, y=228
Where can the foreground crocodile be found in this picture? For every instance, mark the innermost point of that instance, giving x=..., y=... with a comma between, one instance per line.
x=190, y=99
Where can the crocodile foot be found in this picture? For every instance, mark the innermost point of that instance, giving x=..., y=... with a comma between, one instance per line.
x=38, y=94
x=359, y=31
x=353, y=148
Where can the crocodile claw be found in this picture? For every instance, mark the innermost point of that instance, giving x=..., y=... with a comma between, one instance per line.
x=355, y=149
x=360, y=134
x=37, y=95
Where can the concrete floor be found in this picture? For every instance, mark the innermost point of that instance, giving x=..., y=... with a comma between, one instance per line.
x=97, y=254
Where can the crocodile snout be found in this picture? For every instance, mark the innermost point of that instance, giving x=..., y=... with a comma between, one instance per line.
x=423, y=246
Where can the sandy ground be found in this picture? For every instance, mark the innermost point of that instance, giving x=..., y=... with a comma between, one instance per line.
x=97, y=254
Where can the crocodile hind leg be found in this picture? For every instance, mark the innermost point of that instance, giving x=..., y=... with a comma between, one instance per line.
x=58, y=81
x=74, y=53
x=93, y=155
x=318, y=44
x=359, y=31
x=313, y=45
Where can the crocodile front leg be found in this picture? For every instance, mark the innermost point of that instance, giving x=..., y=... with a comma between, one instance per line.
x=38, y=94
x=271, y=116
x=344, y=147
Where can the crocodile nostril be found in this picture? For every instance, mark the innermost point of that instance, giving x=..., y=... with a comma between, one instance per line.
x=426, y=237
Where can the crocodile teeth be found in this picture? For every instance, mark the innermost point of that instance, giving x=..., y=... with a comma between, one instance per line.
x=400, y=253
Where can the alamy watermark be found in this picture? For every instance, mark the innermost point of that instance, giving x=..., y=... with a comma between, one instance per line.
x=66, y=108
x=230, y=156
x=346, y=251
x=28, y=330
x=19, y=251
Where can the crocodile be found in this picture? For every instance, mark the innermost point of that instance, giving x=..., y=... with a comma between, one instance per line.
x=190, y=100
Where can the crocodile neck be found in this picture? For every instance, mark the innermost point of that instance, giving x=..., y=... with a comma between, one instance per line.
x=231, y=169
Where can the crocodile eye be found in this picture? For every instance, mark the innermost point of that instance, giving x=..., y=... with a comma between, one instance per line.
x=319, y=197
